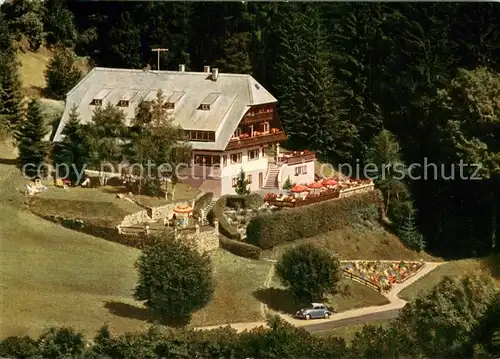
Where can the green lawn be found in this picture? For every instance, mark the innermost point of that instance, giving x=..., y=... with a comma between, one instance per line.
x=452, y=268
x=236, y=279
x=348, y=332
x=53, y=276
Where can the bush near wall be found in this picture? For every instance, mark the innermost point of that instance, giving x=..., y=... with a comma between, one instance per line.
x=270, y=230
x=241, y=249
x=251, y=201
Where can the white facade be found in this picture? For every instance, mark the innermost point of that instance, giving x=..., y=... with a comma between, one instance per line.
x=301, y=173
x=254, y=162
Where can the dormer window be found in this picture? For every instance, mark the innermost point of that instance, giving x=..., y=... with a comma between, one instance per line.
x=123, y=103
x=169, y=105
x=97, y=100
x=208, y=101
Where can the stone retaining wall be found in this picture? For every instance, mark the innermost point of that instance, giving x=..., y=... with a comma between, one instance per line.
x=135, y=218
x=356, y=190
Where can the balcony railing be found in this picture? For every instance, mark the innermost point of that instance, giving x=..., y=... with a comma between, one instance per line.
x=241, y=142
x=259, y=116
x=292, y=158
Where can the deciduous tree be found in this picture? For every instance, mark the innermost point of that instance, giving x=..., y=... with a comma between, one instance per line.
x=309, y=272
x=174, y=279
x=106, y=133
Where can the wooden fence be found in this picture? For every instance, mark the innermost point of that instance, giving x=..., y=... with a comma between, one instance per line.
x=361, y=280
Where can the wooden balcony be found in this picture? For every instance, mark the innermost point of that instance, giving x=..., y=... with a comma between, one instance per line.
x=265, y=116
x=293, y=158
x=255, y=141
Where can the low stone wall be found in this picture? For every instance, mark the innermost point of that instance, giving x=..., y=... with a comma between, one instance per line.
x=356, y=190
x=135, y=218
x=106, y=233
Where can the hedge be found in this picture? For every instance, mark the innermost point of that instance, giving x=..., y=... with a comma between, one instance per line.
x=251, y=201
x=241, y=249
x=202, y=202
x=270, y=230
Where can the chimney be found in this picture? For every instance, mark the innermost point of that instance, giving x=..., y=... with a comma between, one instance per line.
x=206, y=69
x=215, y=74
x=182, y=68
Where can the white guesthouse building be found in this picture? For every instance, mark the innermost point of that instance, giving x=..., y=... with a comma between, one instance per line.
x=230, y=120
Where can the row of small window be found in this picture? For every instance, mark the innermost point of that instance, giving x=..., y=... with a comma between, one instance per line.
x=126, y=103
x=207, y=160
x=202, y=136
x=166, y=105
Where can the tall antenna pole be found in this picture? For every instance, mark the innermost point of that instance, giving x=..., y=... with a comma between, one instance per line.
x=158, y=50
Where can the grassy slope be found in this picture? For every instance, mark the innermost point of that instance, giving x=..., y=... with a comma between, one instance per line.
x=55, y=276
x=371, y=242
x=52, y=276
x=33, y=65
x=454, y=268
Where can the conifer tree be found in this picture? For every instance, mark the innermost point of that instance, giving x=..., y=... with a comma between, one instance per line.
x=61, y=73
x=33, y=149
x=242, y=184
x=73, y=150
x=410, y=235
x=10, y=84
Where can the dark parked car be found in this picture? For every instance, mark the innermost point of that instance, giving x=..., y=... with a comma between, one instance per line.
x=317, y=310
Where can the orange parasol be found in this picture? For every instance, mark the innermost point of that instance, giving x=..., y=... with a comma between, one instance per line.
x=329, y=182
x=183, y=209
x=315, y=185
x=299, y=188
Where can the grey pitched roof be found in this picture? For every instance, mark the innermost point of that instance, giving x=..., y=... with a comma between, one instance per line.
x=229, y=97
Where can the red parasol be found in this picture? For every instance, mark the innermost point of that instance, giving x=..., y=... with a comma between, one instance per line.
x=329, y=182
x=315, y=185
x=299, y=188
x=183, y=209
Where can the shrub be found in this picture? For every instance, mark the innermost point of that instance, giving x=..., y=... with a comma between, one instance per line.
x=288, y=184
x=269, y=230
x=309, y=272
x=241, y=249
x=174, y=279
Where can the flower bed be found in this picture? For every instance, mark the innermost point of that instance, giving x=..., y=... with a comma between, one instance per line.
x=241, y=217
x=315, y=193
x=382, y=274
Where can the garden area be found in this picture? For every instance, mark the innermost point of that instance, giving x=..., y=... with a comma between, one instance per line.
x=381, y=274
x=239, y=218
x=100, y=205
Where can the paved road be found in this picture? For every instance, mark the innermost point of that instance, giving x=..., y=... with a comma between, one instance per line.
x=327, y=325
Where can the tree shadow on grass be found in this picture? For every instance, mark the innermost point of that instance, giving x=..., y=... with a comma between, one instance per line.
x=130, y=311
x=9, y=161
x=280, y=300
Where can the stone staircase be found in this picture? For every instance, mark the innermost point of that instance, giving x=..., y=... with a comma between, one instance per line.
x=272, y=177
x=207, y=210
